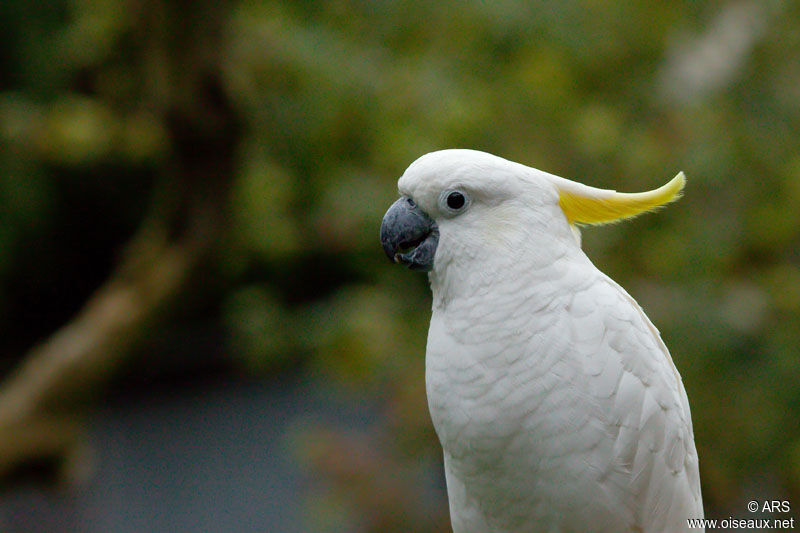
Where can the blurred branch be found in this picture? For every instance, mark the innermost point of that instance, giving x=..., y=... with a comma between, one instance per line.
x=84, y=352
x=701, y=65
x=184, y=224
x=155, y=270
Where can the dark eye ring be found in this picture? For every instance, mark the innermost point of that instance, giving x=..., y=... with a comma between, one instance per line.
x=455, y=200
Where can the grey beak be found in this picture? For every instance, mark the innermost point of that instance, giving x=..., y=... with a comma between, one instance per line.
x=409, y=236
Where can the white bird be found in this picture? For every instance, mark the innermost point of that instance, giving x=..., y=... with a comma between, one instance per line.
x=556, y=402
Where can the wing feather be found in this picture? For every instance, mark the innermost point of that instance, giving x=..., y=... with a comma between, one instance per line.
x=655, y=438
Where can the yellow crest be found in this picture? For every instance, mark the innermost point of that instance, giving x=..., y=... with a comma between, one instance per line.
x=588, y=205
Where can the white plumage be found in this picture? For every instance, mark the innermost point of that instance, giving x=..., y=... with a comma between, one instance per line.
x=557, y=405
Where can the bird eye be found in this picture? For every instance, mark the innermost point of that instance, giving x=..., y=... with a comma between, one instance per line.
x=455, y=200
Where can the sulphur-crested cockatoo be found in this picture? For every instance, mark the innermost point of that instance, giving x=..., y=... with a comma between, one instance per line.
x=556, y=402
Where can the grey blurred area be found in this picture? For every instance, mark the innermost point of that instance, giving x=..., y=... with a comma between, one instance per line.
x=202, y=456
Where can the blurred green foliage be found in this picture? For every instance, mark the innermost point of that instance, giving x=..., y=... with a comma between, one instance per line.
x=337, y=98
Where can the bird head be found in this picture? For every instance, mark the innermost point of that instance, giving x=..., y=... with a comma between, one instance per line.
x=458, y=205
